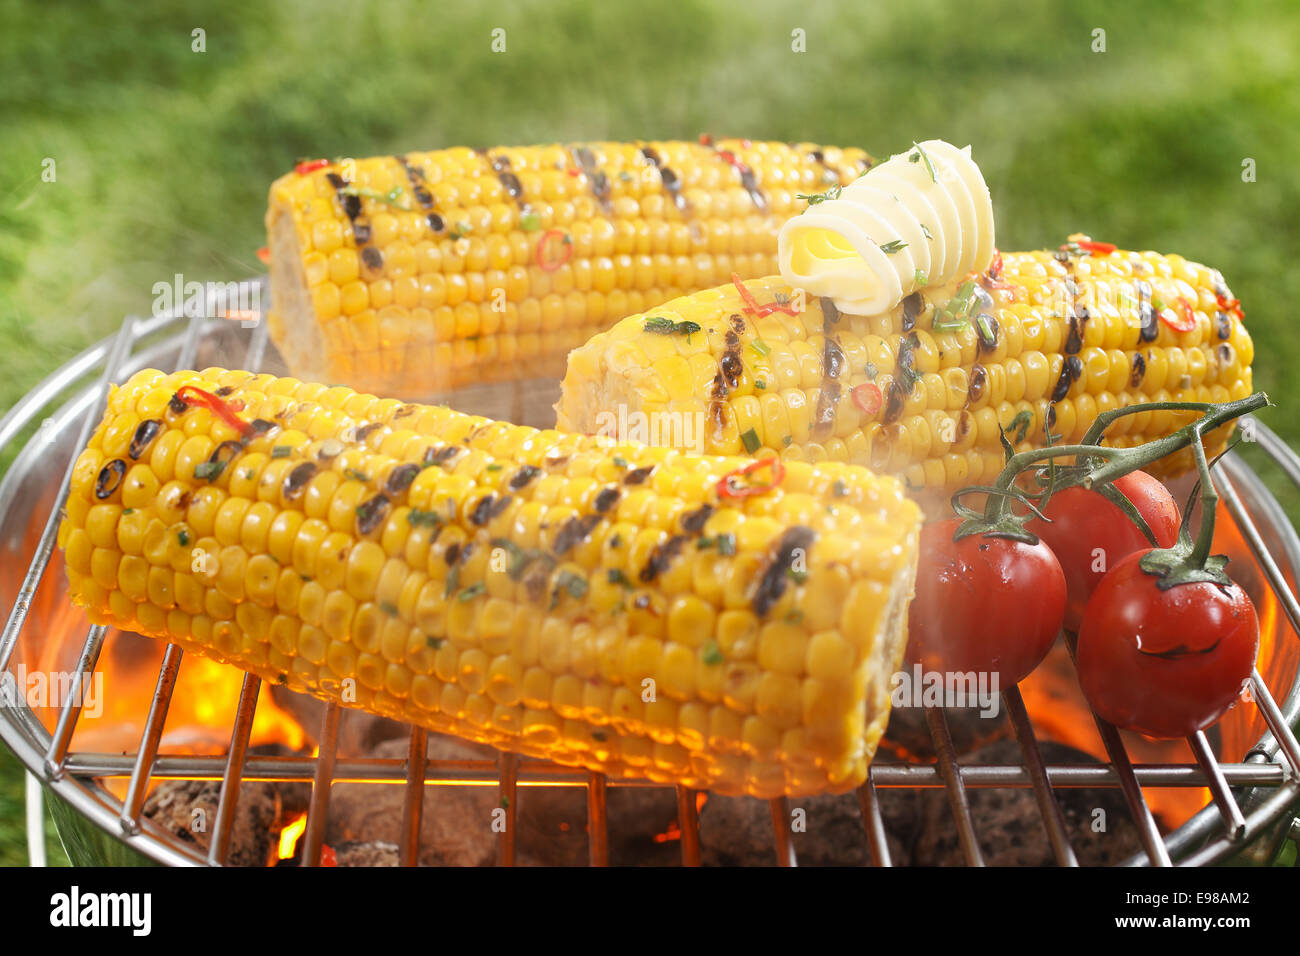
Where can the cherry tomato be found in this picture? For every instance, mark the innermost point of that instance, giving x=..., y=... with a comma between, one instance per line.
x=1165, y=663
x=990, y=605
x=1089, y=535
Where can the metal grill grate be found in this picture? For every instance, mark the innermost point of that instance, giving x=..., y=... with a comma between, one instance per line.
x=1250, y=798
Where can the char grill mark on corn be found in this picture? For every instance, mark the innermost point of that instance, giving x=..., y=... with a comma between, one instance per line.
x=414, y=274
x=1054, y=339
x=542, y=592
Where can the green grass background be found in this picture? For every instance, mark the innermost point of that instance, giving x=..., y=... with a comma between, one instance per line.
x=163, y=155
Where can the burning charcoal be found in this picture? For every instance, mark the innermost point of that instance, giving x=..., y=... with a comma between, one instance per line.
x=1009, y=826
x=642, y=826
x=294, y=797
x=737, y=831
x=908, y=735
x=456, y=827
x=366, y=854
x=639, y=824
x=188, y=809
x=359, y=731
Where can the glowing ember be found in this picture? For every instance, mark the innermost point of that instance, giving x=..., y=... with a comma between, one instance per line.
x=674, y=832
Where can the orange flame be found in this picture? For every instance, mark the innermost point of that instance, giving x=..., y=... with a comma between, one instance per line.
x=289, y=837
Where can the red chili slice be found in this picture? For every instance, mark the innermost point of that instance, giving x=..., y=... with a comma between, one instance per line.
x=566, y=242
x=1230, y=305
x=1179, y=322
x=1097, y=248
x=868, y=398
x=327, y=855
x=194, y=396
x=995, y=267
x=752, y=306
x=264, y=254
x=726, y=489
x=706, y=139
x=310, y=166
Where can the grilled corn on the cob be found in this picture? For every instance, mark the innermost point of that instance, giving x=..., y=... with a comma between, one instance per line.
x=409, y=275
x=1043, y=339
x=609, y=607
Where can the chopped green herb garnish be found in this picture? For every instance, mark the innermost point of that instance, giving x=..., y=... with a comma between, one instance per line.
x=925, y=230
x=127, y=511
x=460, y=231
x=799, y=577
x=530, y=221
x=471, y=592
x=760, y=384
x=725, y=543
x=389, y=198
x=922, y=154
x=984, y=323
x=625, y=176
x=871, y=371
x=712, y=653
x=505, y=802
x=749, y=438
x=616, y=576
x=920, y=278
x=417, y=518
x=787, y=440
x=519, y=558
x=761, y=347
x=434, y=642
x=889, y=248
x=620, y=461
x=956, y=312
x=575, y=585
x=493, y=467
x=355, y=475
x=662, y=326
x=839, y=489
x=943, y=323
x=815, y=198
x=388, y=607
x=209, y=469
x=183, y=537
x=248, y=474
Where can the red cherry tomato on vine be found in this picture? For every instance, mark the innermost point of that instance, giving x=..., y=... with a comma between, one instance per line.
x=1089, y=535
x=1165, y=663
x=991, y=605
